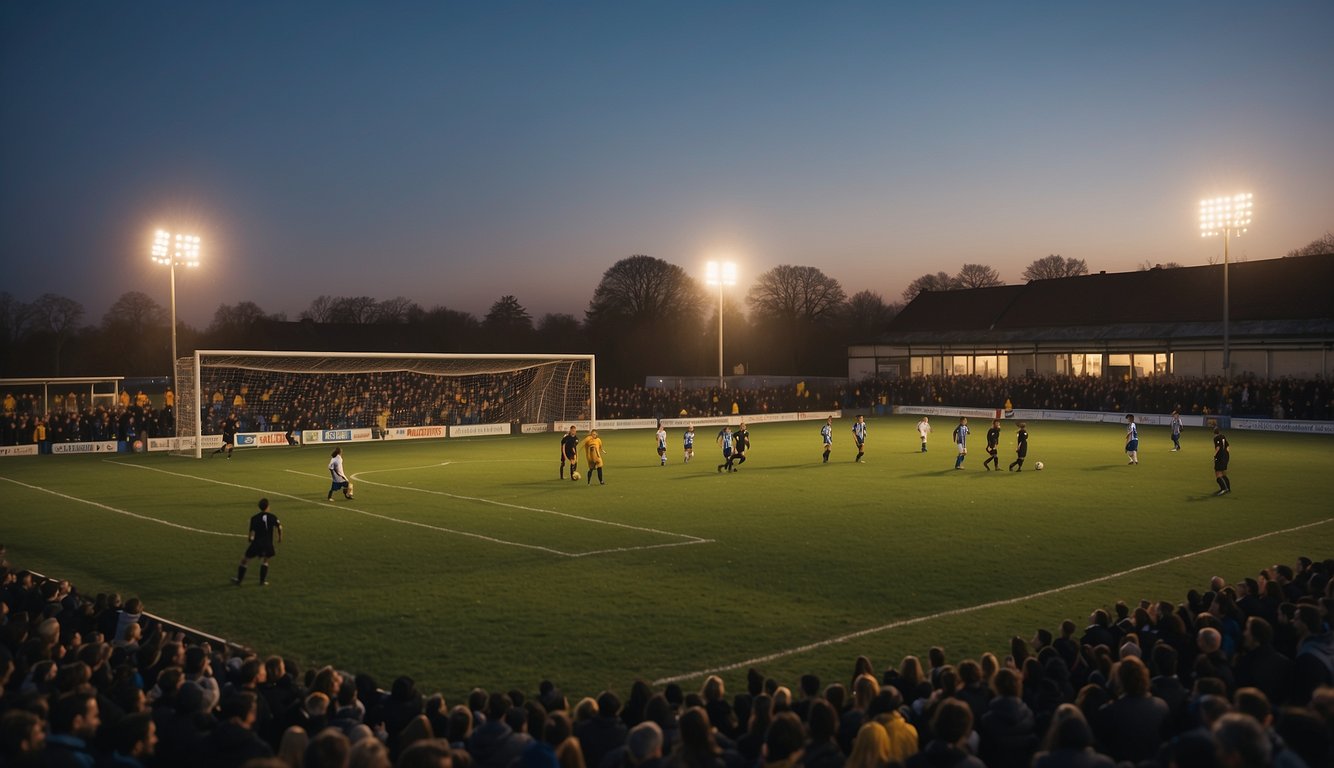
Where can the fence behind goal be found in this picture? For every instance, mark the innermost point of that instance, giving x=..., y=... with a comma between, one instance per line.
x=287, y=392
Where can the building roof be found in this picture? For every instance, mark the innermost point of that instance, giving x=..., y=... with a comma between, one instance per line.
x=1292, y=296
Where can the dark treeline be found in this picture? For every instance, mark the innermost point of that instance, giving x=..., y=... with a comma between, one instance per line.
x=646, y=317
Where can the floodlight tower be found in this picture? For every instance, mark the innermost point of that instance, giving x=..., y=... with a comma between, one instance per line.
x=720, y=273
x=171, y=250
x=1226, y=216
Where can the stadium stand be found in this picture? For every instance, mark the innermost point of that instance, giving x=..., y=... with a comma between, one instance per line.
x=1239, y=674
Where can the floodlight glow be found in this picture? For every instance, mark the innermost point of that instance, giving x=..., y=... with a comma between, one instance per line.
x=720, y=273
x=1221, y=215
x=169, y=251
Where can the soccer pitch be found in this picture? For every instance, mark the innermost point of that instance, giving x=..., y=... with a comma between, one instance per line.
x=466, y=562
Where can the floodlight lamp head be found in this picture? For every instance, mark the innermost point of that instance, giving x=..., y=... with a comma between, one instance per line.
x=720, y=273
x=175, y=249
x=1226, y=215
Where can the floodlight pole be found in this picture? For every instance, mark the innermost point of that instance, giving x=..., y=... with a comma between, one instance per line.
x=720, y=273
x=1224, y=215
x=169, y=249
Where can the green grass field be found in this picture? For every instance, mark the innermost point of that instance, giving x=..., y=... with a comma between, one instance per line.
x=466, y=562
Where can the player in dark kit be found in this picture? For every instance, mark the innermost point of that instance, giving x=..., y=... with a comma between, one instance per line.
x=229, y=427
x=741, y=444
x=1221, y=456
x=993, y=445
x=1020, y=449
x=264, y=526
x=569, y=452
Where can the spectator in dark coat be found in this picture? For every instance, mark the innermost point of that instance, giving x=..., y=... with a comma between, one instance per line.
x=1069, y=743
x=1260, y=665
x=822, y=750
x=1132, y=726
x=234, y=742
x=602, y=733
x=951, y=725
x=494, y=744
x=1007, y=729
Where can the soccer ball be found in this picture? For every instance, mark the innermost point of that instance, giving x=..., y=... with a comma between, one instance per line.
x=1038, y=466
x=574, y=475
x=138, y=446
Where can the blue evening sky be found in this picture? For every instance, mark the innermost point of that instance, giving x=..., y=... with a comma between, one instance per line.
x=454, y=152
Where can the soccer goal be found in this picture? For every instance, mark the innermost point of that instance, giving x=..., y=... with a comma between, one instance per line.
x=293, y=391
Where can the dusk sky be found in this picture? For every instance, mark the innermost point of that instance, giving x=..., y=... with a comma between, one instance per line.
x=455, y=152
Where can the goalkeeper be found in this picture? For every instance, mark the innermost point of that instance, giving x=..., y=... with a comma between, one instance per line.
x=569, y=452
x=340, y=481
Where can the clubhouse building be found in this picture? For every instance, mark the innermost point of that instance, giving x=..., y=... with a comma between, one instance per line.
x=1155, y=322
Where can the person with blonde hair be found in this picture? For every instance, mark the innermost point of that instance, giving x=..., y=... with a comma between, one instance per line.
x=871, y=747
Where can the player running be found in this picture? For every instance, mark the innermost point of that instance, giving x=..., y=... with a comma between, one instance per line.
x=993, y=446
x=859, y=436
x=827, y=435
x=740, y=444
x=229, y=427
x=961, y=441
x=1020, y=448
x=569, y=452
x=725, y=440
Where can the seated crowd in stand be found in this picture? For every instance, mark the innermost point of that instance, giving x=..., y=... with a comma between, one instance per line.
x=379, y=400
x=1234, y=675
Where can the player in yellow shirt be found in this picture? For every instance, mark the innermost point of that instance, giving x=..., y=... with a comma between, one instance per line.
x=593, y=452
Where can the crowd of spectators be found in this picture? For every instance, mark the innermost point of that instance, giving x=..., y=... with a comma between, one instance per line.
x=394, y=399
x=1233, y=675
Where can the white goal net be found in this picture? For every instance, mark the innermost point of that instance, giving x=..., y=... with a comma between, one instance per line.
x=293, y=391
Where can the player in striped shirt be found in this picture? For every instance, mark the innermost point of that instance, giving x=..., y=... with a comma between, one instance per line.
x=961, y=440
x=827, y=434
x=662, y=445
x=1176, y=430
x=1132, y=439
x=725, y=440
x=859, y=435
x=689, y=443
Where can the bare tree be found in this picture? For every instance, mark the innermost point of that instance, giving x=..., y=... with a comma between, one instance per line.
x=320, y=310
x=799, y=293
x=1053, y=266
x=940, y=281
x=642, y=288
x=867, y=314
x=1318, y=247
x=15, y=317
x=360, y=310
x=242, y=315
x=395, y=311
x=58, y=316
x=977, y=276
x=134, y=312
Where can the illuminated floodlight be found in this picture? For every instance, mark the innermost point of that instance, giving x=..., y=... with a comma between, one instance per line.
x=1229, y=217
x=171, y=250
x=720, y=273
x=1222, y=215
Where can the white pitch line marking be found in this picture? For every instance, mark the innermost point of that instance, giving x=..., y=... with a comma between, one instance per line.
x=127, y=513
x=688, y=539
x=969, y=609
x=346, y=508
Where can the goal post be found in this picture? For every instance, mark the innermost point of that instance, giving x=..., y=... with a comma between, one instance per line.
x=282, y=391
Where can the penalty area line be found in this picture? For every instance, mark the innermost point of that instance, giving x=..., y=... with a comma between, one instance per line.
x=125, y=512
x=345, y=508
x=688, y=539
x=972, y=608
